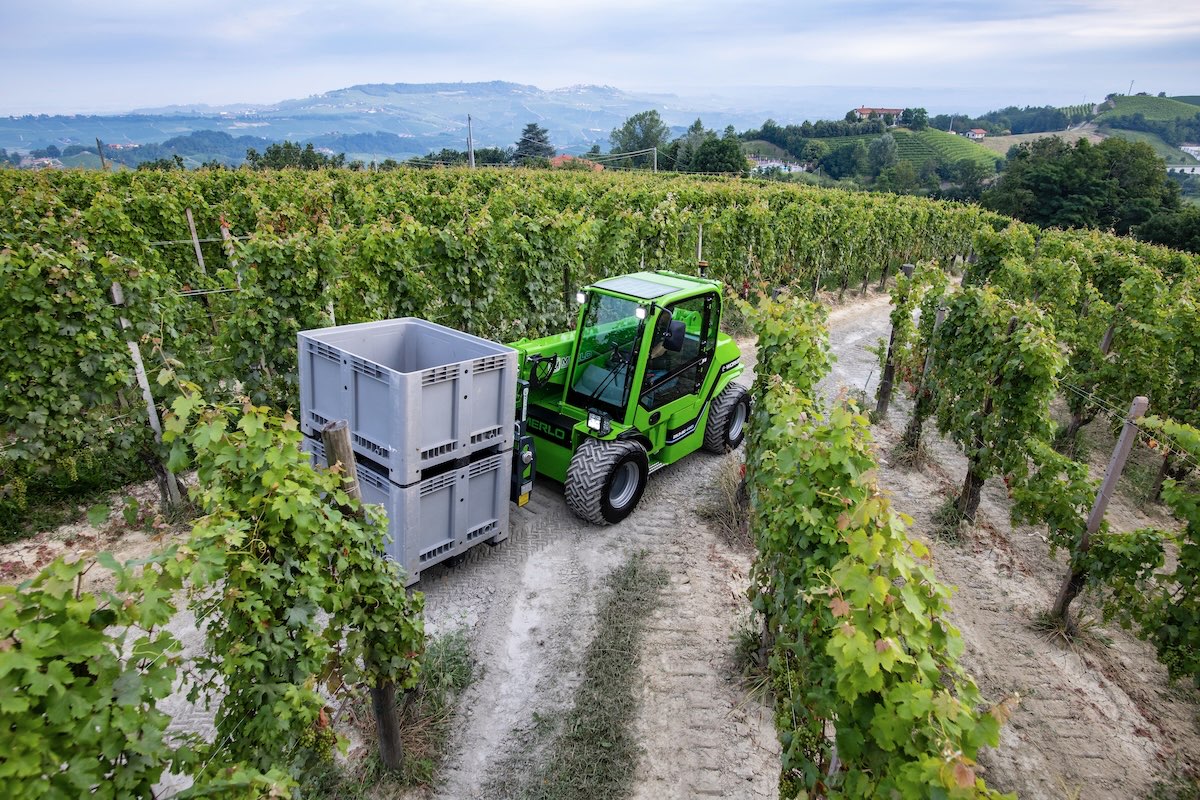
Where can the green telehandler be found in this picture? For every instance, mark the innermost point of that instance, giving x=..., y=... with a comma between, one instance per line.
x=646, y=378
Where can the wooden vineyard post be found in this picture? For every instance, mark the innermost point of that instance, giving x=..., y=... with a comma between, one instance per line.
x=1073, y=581
x=884, y=396
x=166, y=478
x=336, y=437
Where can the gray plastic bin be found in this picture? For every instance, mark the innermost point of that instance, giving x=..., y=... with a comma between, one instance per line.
x=415, y=394
x=441, y=516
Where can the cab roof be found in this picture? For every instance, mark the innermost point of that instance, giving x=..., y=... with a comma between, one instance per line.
x=653, y=285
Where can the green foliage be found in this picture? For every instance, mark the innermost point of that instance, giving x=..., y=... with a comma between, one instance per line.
x=285, y=558
x=290, y=155
x=1163, y=606
x=951, y=149
x=861, y=639
x=1055, y=490
x=998, y=364
x=1179, y=229
x=641, y=131
x=81, y=675
x=473, y=250
x=533, y=145
x=1115, y=184
x=911, y=335
x=1152, y=108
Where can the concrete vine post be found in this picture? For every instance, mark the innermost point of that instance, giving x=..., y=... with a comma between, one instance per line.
x=336, y=438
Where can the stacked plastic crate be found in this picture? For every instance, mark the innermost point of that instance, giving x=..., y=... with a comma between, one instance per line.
x=431, y=412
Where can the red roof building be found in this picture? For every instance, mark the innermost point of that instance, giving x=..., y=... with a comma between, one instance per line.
x=864, y=112
x=579, y=163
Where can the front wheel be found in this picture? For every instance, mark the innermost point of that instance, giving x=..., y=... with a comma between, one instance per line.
x=605, y=480
x=727, y=420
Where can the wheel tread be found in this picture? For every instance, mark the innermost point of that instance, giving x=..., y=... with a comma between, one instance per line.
x=718, y=418
x=589, y=469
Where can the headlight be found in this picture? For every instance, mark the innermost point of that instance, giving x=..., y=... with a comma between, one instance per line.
x=595, y=421
x=580, y=297
x=640, y=313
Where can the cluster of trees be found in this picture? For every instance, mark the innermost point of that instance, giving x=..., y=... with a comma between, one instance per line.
x=1116, y=185
x=804, y=142
x=1172, y=131
x=698, y=150
x=1030, y=119
x=282, y=155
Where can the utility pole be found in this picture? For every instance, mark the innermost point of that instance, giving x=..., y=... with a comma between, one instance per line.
x=470, y=145
x=656, y=159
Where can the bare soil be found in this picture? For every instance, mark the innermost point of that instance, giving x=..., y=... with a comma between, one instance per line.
x=1001, y=144
x=1099, y=720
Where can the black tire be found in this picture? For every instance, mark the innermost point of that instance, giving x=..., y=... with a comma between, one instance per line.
x=727, y=420
x=605, y=480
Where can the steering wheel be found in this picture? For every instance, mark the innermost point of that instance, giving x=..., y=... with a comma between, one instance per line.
x=619, y=357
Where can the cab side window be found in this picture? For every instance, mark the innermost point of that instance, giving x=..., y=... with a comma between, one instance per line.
x=671, y=375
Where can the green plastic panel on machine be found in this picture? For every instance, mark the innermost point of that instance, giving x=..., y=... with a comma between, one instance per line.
x=669, y=430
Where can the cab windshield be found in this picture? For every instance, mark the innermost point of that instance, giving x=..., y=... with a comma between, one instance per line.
x=608, y=351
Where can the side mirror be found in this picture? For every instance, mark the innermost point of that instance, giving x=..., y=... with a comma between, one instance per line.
x=676, y=331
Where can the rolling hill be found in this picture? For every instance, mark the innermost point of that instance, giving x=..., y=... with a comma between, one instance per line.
x=1159, y=109
x=952, y=149
x=399, y=119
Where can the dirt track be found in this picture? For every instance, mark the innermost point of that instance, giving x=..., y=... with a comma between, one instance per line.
x=1093, y=723
x=529, y=606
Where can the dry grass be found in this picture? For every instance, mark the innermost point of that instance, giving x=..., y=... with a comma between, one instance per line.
x=728, y=507
x=427, y=718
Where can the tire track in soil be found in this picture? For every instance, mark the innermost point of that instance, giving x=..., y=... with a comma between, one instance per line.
x=529, y=607
x=1103, y=721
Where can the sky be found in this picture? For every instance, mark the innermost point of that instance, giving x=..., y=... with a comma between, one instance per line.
x=61, y=56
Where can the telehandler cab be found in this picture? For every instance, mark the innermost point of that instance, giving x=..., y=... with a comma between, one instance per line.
x=645, y=379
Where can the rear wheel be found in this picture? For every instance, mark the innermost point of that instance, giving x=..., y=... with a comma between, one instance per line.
x=606, y=479
x=727, y=420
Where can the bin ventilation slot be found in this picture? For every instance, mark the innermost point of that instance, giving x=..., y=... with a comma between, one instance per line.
x=438, y=450
x=434, y=552
x=367, y=368
x=362, y=441
x=325, y=351
x=489, y=363
x=440, y=482
x=486, y=465
x=439, y=374
x=318, y=419
x=369, y=477
x=483, y=436
x=482, y=530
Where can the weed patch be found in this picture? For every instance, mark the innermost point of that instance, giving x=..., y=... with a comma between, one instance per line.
x=594, y=753
x=728, y=508
x=427, y=717
x=948, y=521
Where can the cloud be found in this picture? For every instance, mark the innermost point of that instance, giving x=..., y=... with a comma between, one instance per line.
x=66, y=54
